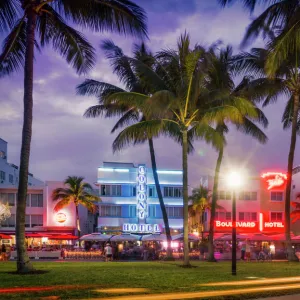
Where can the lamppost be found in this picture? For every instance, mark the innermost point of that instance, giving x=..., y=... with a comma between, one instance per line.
x=234, y=182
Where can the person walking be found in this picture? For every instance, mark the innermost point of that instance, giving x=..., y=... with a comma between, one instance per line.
x=243, y=251
x=3, y=252
x=108, y=252
x=248, y=251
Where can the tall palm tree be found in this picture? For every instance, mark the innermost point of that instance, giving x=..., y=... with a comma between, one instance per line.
x=127, y=114
x=280, y=15
x=285, y=82
x=222, y=79
x=45, y=20
x=77, y=192
x=179, y=103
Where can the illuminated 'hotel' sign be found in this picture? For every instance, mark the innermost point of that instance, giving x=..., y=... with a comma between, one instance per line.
x=142, y=193
x=141, y=228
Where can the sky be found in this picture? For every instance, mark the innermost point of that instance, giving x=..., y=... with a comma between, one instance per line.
x=65, y=143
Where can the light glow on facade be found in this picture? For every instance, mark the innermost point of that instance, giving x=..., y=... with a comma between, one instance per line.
x=61, y=217
x=169, y=172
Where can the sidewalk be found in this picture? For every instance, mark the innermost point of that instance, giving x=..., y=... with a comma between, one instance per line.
x=288, y=297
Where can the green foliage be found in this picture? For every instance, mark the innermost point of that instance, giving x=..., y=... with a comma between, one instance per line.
x=122, y=16
x=77, y=192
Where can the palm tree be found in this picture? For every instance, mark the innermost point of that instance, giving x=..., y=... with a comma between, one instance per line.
x=285, y=82
x=200, y=202
x=29, y=20
x=77, y=192
x=128, y=114
x=280, y=15
x=179, y=103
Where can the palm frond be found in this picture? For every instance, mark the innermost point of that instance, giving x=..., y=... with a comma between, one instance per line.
x=130, y=117
x=129, y=99
x=9, y=13
x=120, y=64
x=68, y=42
x=88, y=204
x=203, y=131
x=13, y=52
x=96, y=88
x=287, y=117
x=250, y=128
x=139, y=133
x=122, y=16
x=62, y=204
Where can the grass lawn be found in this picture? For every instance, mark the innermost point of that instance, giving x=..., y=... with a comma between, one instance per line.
x=158, y=277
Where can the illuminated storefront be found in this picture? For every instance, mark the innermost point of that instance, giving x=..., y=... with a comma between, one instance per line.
x=260, y=205
x=129, y=199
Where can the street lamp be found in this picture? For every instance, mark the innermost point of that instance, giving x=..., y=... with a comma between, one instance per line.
x=234, y=181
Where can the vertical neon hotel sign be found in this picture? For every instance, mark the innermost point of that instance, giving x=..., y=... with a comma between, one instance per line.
x=142, y=193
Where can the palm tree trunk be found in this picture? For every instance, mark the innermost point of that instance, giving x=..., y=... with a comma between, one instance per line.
x=77, y=221
x=211, y=255
x=202, y=224
x=160, y=199
x=23, y=262
x=291, y=255
x=186, y=261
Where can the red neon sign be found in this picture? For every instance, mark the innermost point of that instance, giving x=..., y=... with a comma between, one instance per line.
x=251, y=226
x=274, y=179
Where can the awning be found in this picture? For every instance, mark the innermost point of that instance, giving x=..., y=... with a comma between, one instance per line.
x=192, y=237
x=154, y=237
x=125, y=237
x=62, y=237
x=33, y=235
x=5, y=236
x=96, y=237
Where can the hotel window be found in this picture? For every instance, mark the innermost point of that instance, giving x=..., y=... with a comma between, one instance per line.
x=251, y=196
x=276, y=216
x=132, y=211
x=3, y=198
x=174, y=211
x=248, y=216
x=172, y=192
x=2, y=175
x=224, y=195
x=27, y=220
x=36, y=220
x=276, y=196
x=223, y=216
x=133, y=191
x=11, y=178
x=11, y=199
x=151, y=211
x=36, y=200
x=152, y=191
x=110, y=190
x=109, y=211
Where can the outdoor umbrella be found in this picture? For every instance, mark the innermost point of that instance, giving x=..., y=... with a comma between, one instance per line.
x=125, y=237
x=96, y=237
x=154, y=237
x=192, y=237
x=63, y=237
x=260, y=237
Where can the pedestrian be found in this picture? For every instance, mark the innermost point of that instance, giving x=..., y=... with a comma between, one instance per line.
x=3, y=252
x=248, y=251
x=243, y=251
x=108, y=252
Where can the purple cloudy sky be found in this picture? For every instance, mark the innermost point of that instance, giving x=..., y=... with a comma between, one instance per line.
x=64, y=143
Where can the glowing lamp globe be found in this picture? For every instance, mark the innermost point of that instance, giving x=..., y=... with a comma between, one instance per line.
x=234, y=179
x=60, y=218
